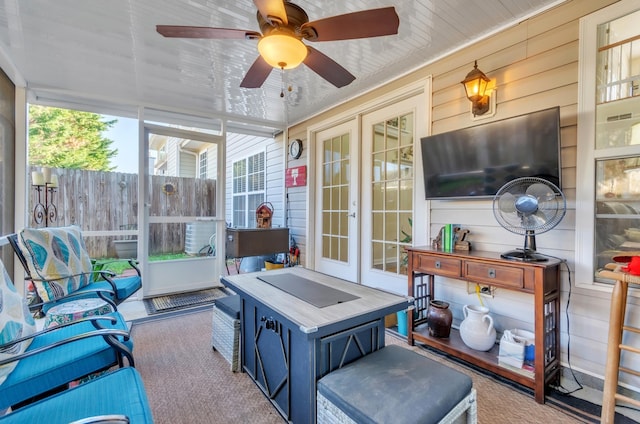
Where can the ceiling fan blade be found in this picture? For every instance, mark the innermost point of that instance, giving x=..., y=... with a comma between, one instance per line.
x=176, y=31
x=328, y=68
x=257, y=74
x=272, y=9
x=364, y=24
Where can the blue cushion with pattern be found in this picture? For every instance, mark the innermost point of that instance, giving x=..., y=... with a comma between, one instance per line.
x=15, y=322
x=53, y=253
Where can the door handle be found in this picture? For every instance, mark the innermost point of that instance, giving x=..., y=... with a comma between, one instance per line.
x=352, y=215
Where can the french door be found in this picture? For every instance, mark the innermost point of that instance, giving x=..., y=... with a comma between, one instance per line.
x=336, y=247
x=391, y=188
x=368, y=183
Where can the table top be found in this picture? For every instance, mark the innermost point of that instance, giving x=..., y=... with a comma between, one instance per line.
x=306, y=315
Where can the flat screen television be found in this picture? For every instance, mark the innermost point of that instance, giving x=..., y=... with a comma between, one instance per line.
x=477, y=161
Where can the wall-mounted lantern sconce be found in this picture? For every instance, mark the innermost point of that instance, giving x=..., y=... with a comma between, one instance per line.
x=476, y=84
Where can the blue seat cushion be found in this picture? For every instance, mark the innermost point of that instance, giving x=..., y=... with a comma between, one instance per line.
x=118, y=392
x=230, y=305
x=125, y=287
x=395, y=385
x=57, y=366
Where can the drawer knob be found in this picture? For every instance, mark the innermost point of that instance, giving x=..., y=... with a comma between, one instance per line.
x=492, y=273
x=438, y=265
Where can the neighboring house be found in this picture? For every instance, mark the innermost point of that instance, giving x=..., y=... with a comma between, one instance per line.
x=182, y=158
x=537, y=64
x=250, y=182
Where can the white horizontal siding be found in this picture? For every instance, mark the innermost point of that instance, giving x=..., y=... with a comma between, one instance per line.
x=240, y=146
x=536, y=67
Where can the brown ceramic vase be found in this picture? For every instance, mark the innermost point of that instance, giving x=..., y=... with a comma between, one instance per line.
x=439, y=319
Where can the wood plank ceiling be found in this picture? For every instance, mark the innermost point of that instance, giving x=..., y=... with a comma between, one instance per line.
x=108, y=55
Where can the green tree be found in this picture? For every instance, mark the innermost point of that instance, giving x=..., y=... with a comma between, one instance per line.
x=63, y=138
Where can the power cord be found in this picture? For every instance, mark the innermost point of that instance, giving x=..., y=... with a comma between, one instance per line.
x=560, y=388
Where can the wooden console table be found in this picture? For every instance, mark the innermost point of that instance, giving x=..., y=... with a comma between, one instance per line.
x=287, y=343
x=542, y=279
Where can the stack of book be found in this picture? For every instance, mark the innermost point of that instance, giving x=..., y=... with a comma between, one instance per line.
x=449, y=237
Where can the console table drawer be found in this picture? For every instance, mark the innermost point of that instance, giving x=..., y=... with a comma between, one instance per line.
x=446, y=267
x=495, y=275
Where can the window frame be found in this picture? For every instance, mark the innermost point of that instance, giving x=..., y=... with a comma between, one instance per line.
x=587, y=153
x=245, y=193
x=202, y=164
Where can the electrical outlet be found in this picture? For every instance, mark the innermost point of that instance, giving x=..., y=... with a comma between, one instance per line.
x=485, y=289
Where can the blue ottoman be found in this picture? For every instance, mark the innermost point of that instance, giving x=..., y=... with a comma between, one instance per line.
x=225, y=336
x=395, y=385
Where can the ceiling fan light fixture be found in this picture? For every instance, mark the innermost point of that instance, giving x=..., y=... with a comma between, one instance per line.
x=282, y=51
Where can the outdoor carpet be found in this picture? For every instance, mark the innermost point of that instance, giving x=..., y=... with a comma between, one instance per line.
x=173, y=302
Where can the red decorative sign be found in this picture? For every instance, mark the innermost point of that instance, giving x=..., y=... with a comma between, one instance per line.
x=296, y=176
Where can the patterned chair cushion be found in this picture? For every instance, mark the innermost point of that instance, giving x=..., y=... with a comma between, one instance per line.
x=53, y=253
x=15, y=322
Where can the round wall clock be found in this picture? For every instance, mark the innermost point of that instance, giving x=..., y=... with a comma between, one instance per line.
x=295, y=148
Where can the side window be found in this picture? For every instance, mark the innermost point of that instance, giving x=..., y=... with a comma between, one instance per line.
x=608, y=210
x=249, y=178
x=202, y=165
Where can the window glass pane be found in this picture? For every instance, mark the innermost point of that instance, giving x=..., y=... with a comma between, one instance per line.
x=391, y=226
x=345, y=146
x=335, y=246
x=378, y=197
x=377, y=255
x=203, y=164
x=248, y=185
x=378, y=226
x=406, y=130
x=617, y=129
x=344, y=249
x=344, y=224
x=378, y=171
x=617, y=221
x=406, y=195
x=391, y=257
x=344, y=198
x=392, y=133
x=378, y=137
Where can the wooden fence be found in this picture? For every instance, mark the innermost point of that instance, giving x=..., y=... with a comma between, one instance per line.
x=108, y=201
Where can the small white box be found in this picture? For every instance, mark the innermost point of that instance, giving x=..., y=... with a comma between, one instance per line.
x=511, y=352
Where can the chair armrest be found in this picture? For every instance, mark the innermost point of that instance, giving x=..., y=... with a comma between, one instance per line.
x=104, y=273
x=94, y=320
x=105, y=294
x=103, y=419
x=109, y=335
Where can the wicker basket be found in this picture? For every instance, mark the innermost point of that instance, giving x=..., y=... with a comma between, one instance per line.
x=226, y=337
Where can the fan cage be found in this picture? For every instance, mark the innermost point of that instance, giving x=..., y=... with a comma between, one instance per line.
x=554, y=210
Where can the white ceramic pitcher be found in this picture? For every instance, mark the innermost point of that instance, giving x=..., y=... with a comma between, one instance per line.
x=476, y=329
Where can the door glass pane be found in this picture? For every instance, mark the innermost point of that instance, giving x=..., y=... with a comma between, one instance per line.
x=335, y=198
x=392, y=193
x=617, y=191
x=183, y=196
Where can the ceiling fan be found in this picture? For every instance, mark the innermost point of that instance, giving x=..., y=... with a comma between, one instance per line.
x=284, y=25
